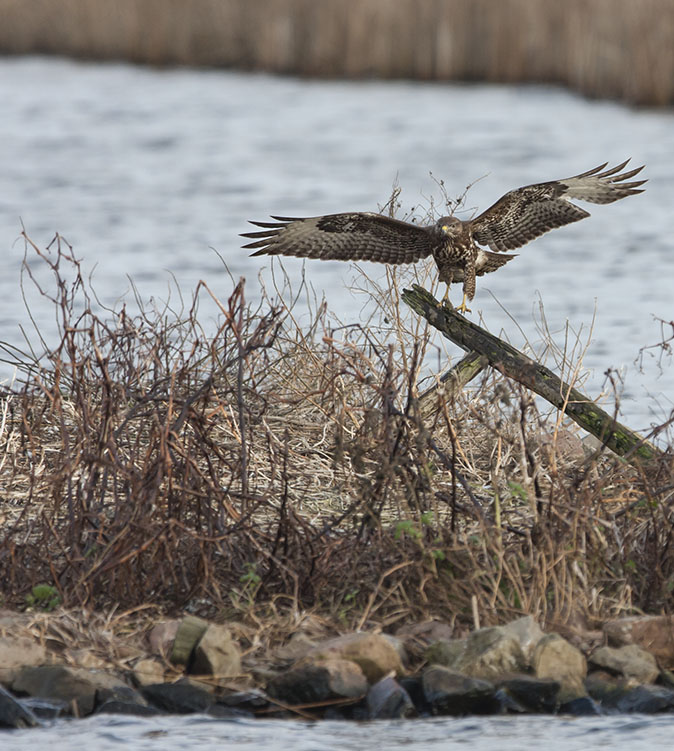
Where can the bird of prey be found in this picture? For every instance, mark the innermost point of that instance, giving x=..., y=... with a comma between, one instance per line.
x=518, y=217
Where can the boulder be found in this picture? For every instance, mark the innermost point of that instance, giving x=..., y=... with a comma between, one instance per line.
x=324, y=679
x=217, y=653
x=182, y=697
x=13, y=714
x=77, y=687
x=45, y=709
x=447, y=652
x=655, y=633
x=631, y=661
x=296, y=647
x=532, y=694
x=580, y=706
x=555, y=658
x=377, y=655
x=414, y=685
x=417, y=637
x=388, y=700
x=449, y=692
x=19, y=652
x=190, y=631
x=83, y=658
x=162, y=636
x=527, y=632
x=148, y=670
x=607, y=688
x=647, y=700
x=491, y=653
x=247, y=701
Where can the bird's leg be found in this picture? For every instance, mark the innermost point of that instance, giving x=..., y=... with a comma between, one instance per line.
x=468, y=284
x=446, y=276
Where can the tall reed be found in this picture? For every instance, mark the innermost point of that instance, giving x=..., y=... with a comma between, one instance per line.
x=605, y=48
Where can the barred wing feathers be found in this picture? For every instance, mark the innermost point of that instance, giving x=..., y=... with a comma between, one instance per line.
x=526, y=213
x=360, y=236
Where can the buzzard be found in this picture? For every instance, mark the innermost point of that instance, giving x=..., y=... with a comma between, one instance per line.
x=518, y=217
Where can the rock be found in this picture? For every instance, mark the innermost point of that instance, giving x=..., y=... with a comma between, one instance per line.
x=555, y=658
x=19, y=652
x=532, y=694
x=414, y=685
x=248, y=701
x=447, y=652
x=387, y=700
x=296, y=647
x=632, y=661
x=607, y=688
x=647, y=700
x=655, y=633
x=451, y=693
x=76, y=686
x=119, y=693
x=325, y=679
x=377, y=655
x=45, y=709
x=416, y=637
x=527, y=632
x=83, y=658
x=148, y=670
x=13, y=714
x=667, y=678
x=581, y=706
x=588, y=640
x=216, y=653
x=162, y=636
x=189, y=633
x=491, y=653
x=181, y=697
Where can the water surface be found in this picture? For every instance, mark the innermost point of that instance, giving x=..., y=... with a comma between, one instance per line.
x=147, y=173
x=510, y=733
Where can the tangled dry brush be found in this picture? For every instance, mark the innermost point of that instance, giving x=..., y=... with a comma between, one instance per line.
x=271, y=466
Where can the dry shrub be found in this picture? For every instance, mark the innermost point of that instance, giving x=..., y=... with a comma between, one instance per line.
x=273, y=467
x=610, y=48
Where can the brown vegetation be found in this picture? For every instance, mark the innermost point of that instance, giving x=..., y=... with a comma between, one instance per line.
x=273, y=467
x=609, y=48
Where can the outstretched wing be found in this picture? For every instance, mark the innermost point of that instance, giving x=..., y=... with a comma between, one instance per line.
x=343, y=237
x=525, y=213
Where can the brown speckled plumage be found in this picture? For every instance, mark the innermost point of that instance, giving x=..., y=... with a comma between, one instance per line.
x=518, y=217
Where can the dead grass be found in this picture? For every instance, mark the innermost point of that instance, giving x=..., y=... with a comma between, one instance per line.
x=272, y=469
x=606, y=48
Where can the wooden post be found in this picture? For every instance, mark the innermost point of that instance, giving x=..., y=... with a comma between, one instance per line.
x=516, y=365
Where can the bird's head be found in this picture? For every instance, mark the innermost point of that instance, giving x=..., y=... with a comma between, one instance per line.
x=449, y=225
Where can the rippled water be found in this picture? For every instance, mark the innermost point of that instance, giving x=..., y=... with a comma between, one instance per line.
x=145, y=172
x=639, y=733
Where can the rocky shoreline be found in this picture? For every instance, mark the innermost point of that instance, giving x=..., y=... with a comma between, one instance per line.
x=190, y=665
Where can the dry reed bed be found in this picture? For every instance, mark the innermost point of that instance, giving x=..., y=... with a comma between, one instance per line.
x=606, y=48
x=273, y=468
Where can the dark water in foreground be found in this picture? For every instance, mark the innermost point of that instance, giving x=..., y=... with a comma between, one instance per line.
x=638, y=733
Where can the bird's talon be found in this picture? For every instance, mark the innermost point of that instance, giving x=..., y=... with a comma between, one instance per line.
x=463, y=308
